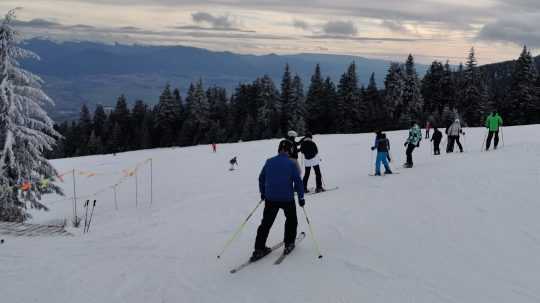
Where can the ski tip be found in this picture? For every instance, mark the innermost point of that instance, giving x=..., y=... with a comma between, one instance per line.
x=320, y=256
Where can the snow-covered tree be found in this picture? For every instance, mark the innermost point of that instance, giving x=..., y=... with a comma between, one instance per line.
x=412, y=98
x=474, y=94
x=268, y=117
x=26, y=131
x=521, y=102
x=297, y=107
x=394, y=84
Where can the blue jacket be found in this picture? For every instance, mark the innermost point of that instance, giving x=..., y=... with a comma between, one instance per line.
x=279, y=179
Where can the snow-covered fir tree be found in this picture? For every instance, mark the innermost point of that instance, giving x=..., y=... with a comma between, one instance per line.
x=394, y=84
x=26, y=131
x=522, y=95
x=412, y=97
x=297, y=107
x=269, y=114
x=474, y=94
x=285, y=99
x=348, y=100
x=168, y=117
x=315, y=102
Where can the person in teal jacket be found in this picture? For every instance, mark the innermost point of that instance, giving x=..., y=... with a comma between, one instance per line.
x=493, y=123
x=413, y=141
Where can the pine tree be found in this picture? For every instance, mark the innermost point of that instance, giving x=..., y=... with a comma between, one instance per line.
x=121, y=117
x=168, y=117
x=138, y=114
x=473, y=93
x=316, y=103
x=432, y=88
x=297, y=107
x=348, y=100
x=269, y=115
x=285, y=100
x=199, y=115
x=412, y=97
x=85, y=128
x=99, y=119
x=394, y=86
x=377, y=111
x=521, y=104
x=25, y=131
x=330, y=119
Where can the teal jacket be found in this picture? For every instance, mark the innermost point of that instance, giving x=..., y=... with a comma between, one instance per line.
x=415, y=135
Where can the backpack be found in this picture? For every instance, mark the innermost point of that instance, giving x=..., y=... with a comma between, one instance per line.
x=382, y=144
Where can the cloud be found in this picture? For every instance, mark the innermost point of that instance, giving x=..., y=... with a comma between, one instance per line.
x=355, y=38
x=200, y=28
x=346, y=28
x=301, y=24
x=215, y=21
x=518, y=29
x=395, y=26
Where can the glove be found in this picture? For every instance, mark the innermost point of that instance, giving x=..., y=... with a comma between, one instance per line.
x=373, y=148
x=263, y=197
x=405, y=143
x=301, y=202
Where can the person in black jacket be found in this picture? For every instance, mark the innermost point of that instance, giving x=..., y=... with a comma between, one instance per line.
x=436, y=139
x=382, y=144
x=310, y=151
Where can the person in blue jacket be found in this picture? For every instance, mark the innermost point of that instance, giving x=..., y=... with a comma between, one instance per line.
x=278, y=181
x=382, y=144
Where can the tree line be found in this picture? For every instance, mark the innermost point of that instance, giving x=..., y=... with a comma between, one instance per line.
x=259, y=110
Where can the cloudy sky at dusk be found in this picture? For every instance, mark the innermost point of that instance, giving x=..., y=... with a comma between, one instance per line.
x=389, y=29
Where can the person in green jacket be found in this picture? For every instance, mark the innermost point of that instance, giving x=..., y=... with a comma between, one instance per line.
x=493, y=122
x=413, y=141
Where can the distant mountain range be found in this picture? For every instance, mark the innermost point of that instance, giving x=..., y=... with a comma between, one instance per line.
x=92, y=73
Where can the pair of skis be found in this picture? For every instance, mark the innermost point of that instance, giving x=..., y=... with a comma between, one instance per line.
x=87, y=221
x=312, y=191
x=282, y=257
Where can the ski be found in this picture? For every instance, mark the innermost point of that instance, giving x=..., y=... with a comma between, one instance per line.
x=312, y=191
x=276, y=246
x=382, y=175
x=300, y=237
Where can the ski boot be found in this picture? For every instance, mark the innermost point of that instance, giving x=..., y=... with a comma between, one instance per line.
x=388, y=172
x=319, y=190
x=288, y=248
x=259, y=254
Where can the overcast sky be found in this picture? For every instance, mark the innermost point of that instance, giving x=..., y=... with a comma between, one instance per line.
x=390, y=29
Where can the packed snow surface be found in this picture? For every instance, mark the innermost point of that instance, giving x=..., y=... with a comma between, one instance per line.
x=460, y=227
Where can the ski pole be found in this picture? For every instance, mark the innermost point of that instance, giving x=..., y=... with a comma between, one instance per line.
x=239, y=229
x=371, y=162
x=312, y=234
x=91, y=215
x=86, y=215
x=502, y=136
x=484, y=141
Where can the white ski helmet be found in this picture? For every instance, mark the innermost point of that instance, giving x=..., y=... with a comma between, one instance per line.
x=292, y=133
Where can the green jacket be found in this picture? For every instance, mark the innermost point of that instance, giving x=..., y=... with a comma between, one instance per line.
x=415, y=135
x=493, y=122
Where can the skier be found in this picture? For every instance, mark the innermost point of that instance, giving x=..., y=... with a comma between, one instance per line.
x=436, y=139
x=413, y=141
x=278, y=180
x=428, y=128
x=214, y=147
x=493, y=122
x=233, y=162
x=453, y=131
x=291, y=135
x=382, y=144
x=310, y=151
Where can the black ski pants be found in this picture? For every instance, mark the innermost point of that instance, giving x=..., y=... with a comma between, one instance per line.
x=271, y=210
x=410, y=149
x=451, y=141
x=490, y=136
x=318, y=176
x=436, y=147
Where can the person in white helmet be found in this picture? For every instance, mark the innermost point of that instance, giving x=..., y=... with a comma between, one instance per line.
x=291, y=135
x=453, y=132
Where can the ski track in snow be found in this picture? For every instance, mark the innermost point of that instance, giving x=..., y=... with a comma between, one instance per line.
x=459, y=227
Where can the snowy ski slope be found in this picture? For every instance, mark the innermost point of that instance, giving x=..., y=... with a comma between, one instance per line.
x=455, y=228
